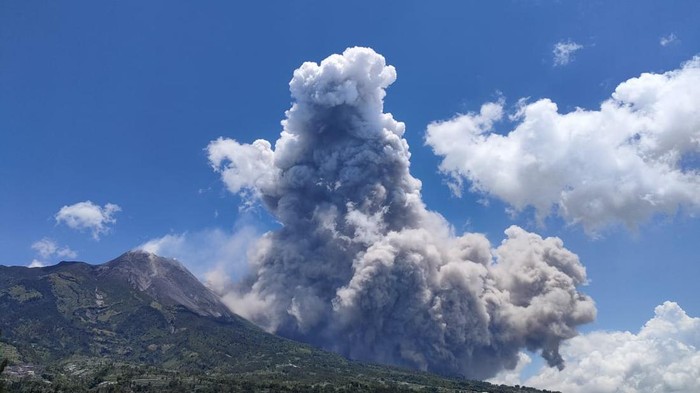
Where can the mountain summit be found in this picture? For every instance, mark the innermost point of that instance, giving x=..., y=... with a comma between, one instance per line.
x=167, y=281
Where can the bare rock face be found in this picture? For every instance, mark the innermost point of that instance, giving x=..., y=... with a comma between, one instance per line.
x=167, y=281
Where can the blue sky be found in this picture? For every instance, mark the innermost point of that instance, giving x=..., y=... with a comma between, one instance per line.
x=116, y=103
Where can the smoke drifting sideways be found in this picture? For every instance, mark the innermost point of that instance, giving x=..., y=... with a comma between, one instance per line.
x=360, y=266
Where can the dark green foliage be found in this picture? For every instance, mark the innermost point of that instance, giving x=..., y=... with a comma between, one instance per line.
x=3, y=365
x=144, y=379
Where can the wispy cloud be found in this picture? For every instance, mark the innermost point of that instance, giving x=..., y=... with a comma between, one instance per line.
x=668, y=40
x=563, y=52
x=47, y=248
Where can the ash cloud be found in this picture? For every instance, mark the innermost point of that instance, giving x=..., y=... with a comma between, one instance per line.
x=360, y=266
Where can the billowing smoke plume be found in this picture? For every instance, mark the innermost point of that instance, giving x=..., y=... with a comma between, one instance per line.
x=361, y=267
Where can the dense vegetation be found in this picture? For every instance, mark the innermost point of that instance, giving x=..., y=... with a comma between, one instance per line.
x=3, y=365
x=129, y=378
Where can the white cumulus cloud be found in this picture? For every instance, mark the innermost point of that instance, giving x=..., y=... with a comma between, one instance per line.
x=563, y=52
x=244, y=168
x=88, y=216
x=664, y=356
x=635, y=157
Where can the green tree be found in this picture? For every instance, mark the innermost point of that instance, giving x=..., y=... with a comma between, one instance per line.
x=3, y=364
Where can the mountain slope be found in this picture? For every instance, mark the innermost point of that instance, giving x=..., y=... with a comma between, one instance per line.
x=143, y=310
x=138, y=307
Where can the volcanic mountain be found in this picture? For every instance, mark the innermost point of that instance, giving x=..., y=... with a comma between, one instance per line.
x=142, y=321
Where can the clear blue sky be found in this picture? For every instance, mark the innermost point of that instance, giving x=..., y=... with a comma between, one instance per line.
x=116, y=102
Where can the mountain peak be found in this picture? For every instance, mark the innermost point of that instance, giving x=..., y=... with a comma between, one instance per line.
x=166, y=280
x=144, y=260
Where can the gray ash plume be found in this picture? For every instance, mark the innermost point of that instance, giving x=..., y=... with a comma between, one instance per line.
x=360, y=266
